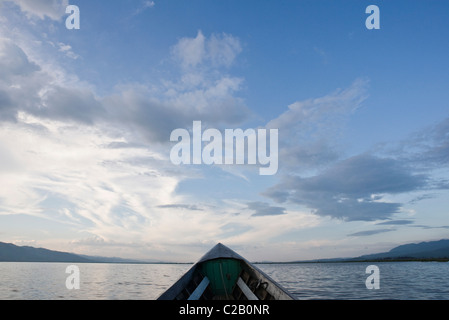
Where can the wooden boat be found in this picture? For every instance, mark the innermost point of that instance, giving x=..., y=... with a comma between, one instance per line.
x=222, y=274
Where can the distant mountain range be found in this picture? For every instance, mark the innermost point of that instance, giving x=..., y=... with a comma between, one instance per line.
x=423, y=250
x=12, y=253
x=432, y=250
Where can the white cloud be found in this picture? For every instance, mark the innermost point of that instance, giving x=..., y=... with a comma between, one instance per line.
x=144, y=6
x=191, y=51
x=201, y=92
x=67, y=50
x=53, y=9
x=103, y=191
x=220, y=50
x=223, y=49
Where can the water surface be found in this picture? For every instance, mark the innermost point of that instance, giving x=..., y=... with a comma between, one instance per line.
x=398, y=280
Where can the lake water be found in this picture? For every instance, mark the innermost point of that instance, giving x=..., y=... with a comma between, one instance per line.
x=398, y=280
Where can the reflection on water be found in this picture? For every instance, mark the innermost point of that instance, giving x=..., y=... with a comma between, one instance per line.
x=398, y=280
x=45, y=281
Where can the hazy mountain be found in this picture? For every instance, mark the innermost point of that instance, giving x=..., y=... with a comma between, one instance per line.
x=117, y=259
x=431, y=250
x=12, y=253
x=423, y=250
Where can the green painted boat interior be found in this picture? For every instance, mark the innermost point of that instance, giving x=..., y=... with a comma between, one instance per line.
x=223, y=275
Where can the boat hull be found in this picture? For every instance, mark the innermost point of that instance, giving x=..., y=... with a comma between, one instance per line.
x=222, y=274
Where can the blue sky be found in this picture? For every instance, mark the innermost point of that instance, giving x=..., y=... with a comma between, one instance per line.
x=86, y=117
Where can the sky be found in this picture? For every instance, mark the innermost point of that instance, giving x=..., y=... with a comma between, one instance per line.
x=86, y=117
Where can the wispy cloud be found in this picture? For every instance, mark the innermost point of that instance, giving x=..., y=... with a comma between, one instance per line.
x=429, y=227
x=144, y=6
x=369, y=232
x=395, y=222
x=67, y=50
x=264, y=209
x=322, y=54
x=181, y=206
x=40, y=9
x=428, y=147
x=309, y=129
